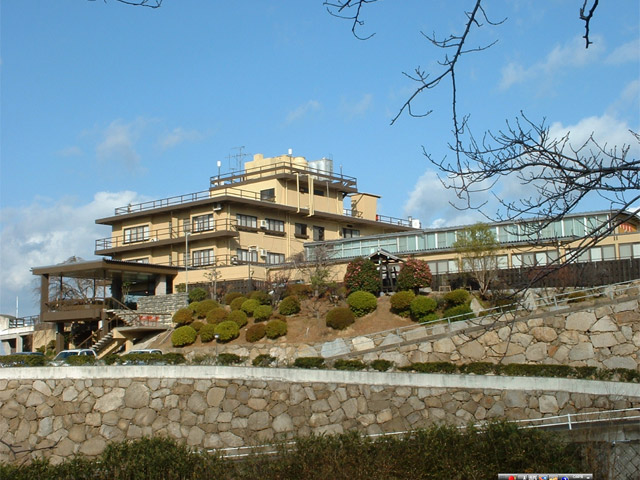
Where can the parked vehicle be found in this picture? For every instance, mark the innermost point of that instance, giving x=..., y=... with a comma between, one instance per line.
x=60, y=358
x=143, y=351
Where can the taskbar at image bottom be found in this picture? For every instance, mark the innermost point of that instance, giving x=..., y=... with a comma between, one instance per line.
x=545, y=476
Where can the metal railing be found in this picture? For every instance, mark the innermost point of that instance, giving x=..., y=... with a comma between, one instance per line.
x=393, y=220
x=176, y=232
x=30, y=321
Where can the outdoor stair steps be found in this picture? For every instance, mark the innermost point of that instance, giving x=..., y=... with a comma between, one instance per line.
x=103, y=342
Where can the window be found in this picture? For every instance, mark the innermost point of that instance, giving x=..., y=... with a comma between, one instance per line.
x=630, y=250
x=268, y=195
x=247, y=221
x=274, y=258
x=319, y=192
x=139, y=260
x=350, y=232
x=274, y=225
x=533, y=259
x=318, y=234
x=200, y=258
x=597, y=254
x=303, y=190
x=301, y=230
x=245, y=255
x=202, y=223
x=136, y=234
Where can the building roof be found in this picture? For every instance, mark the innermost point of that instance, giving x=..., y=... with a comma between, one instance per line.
x=105, y=269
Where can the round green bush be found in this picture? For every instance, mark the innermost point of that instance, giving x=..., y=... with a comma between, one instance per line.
x=205, y=306
x=422, y=306
x=362, y=274
x=236, y=303
x=227, y=331
x=197, y=325
x=276, y=328
x=381, y=365
x=256, y=332
x=290, y=305
x=193, y=307
x=183, y=316
x=401, y=302
x=261, y=296
x=340, y=318
x=248, y=306
x=262, y=313
x=362, y=303
x=207, y=332
x=463, y=310
x=457, y=297
x=231, y=296
x=429, y=317
x=197, y=294
x=239, y=317
x=184, y=335
x=217, y=315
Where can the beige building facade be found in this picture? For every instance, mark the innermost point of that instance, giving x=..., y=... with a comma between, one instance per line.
x=247, y=221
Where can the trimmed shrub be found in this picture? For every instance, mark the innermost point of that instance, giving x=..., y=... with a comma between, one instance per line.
x=173, y=358
x=236, y=303
x=239, y=317
x=248, y=306
x=197, y=294
x=309, y=362
x=227, y=331
x=340, y=318
x=182, y=336
x=463, y=310
x=183, y=316
x=431, y=367
x=262, y=297
x=414, y=274
x=289, y=305
x=207, y=332
x=362, y=275
x=351, y=365
x=276, y=328
x=228, y=359
x=23, y=360
x=299, y=290
x=80, y=360
x=430, y=317
x=579, y=296
x=197, y=325
x=477, y=368
x=422, y=306
x=362, y=303
x=381, y=365
x=457, y=297
x=256, y=332
x=231, y=296
x=262, y=313
x=401, y=302
x=263, y=360
x=217, y=315
x=205, y=306
x=193, y=306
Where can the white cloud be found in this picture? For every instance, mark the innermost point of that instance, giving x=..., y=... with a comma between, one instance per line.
x=570, y=55
x=177, y=136
x=48, y=232
x=625, y=53
x=302, y=111
x=358, y=108
x=607, y=131
x=118, y=144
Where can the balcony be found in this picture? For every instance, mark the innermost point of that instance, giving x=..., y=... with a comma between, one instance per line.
x=165, y=236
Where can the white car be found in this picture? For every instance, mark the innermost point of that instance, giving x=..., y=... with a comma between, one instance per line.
x=60, y=358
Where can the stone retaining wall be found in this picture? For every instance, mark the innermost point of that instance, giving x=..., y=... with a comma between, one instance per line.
x=605, y=336
x=59, y=412
x=169, y=303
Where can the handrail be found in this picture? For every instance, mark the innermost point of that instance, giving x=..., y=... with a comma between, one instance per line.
x=393, y=220
x=30, y=321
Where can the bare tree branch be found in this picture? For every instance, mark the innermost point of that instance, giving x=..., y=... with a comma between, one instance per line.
x=139, y=3
x=587, y=19
x=339, y=7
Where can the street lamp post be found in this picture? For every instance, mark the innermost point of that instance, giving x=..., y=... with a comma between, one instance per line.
x=250, y=251
x=187, y=232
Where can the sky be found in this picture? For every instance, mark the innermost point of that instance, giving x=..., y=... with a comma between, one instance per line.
x=104, y=104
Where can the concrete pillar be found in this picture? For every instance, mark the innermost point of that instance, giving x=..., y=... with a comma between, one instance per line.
x=59, y=337
x=44, y=294
x=19, y=344
x=161, y=285
x=116, y=287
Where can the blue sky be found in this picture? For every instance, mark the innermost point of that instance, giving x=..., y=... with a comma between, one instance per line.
x=104, y=104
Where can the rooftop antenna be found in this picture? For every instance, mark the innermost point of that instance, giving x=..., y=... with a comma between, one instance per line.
x=236, y=159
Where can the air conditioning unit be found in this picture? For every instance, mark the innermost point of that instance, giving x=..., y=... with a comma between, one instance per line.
x=234, y=260
x=263, y=224
x=217, y=207
x=263, y=252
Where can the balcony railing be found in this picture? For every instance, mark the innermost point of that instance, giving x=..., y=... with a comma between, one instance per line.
x=393, y=220
x=282, y=168
x=30, y=321
x=169, y=233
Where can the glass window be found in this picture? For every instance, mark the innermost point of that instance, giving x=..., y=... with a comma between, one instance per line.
x=301, y=230
x=318, y=234
x=136, y=234
x=268, y=195
x=319, y=192
x=201, y=258
x=274, y=258
x=245, y=255
x=274, y=225
x=350, y=232
x=202, y=223
x=247, y=221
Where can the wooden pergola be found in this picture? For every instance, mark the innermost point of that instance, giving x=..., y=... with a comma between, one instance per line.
x=388, y=267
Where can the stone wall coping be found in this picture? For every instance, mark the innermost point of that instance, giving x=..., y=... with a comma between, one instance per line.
x=419, y=380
